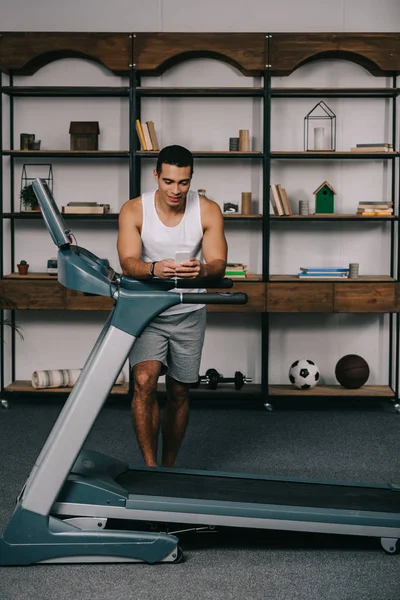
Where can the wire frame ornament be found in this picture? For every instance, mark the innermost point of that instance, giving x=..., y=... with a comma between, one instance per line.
x=29, y=173
x=320, y=129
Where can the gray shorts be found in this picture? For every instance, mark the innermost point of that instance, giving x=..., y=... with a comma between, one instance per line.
x=176, y=341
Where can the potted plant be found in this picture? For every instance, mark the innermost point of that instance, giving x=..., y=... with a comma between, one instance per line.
x=28, y=199
x=7, y=304
x=23, y=267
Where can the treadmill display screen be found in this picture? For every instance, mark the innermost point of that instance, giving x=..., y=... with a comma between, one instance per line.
x=56, y=225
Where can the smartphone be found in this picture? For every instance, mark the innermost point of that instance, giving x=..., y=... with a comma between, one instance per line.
x=182, y=256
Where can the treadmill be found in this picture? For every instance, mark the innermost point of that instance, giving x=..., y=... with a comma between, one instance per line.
x=73, y=497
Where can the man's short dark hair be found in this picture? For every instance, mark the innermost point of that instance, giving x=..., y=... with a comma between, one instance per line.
x=175, y=155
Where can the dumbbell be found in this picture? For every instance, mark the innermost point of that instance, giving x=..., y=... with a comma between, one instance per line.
x=212, y=378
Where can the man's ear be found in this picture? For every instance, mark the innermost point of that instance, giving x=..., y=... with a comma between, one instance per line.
x=155, y=174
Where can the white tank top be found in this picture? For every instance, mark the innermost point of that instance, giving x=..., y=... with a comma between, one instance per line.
x=160, y=242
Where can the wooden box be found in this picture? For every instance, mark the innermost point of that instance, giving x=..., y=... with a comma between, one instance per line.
x=84, y=135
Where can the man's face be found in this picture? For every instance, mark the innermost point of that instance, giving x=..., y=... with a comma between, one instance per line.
x=173, y=184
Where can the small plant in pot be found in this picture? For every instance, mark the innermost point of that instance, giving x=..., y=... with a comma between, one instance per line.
x=28, y=199
x=23, y=267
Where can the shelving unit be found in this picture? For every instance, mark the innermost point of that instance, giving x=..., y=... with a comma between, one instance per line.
x=257, y=54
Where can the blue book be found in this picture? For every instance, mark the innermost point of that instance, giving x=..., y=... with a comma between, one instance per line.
x=323, y=275
x=322, y=270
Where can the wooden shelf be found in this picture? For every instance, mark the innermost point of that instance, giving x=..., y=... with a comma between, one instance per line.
x=371, y=391
x=208, y=154
x=36, y=214
x=360, y=279
x=249, y=277
x=367, y=391
x=25, y=387
x=333, y=217
x=200, y=91
x=369, y=92
x=64, y=91
x=240, y=217
x=31, y=276
x=337, y=154
x=223, y=389
x=68, y=153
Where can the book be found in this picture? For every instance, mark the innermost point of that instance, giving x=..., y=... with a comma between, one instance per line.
x=388, y=209
x=285, y=200
x=323, y=276
x=375, y=206
x=82, y=204
x=146, y=134
x=324, y=273
x=235, y=270
x=276, y=200
x=139, y=130
x=234, y=275
x=377, y=213
x=371, y=149
x=374, y=145
x=153, y=136
x=100, y=209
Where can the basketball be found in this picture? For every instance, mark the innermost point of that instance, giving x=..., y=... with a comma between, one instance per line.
x=352, y=371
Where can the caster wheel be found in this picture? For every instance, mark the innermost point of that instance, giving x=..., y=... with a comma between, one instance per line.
x=397, y=409
x=390, y=545
x=179, y=557
x=4, y=404
x=268, y=406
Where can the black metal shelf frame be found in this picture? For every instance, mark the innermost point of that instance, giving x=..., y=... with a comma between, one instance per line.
x=134, y=93
x=384, y=93
x=65, y=91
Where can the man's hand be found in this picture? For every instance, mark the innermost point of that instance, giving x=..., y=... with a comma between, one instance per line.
x=190, y=269
x=165, y=269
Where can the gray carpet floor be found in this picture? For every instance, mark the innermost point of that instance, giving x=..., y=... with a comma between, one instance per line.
x=353, y=444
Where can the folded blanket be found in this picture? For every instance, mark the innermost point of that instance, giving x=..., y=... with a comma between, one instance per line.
x=61, y=378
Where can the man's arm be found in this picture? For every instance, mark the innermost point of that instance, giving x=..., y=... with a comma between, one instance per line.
x=129, y=245
x=215, y=248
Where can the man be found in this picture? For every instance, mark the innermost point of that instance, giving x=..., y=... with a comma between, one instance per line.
x=153, y=228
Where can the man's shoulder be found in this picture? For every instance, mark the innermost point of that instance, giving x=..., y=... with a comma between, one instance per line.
x=132, y=208
x=209, y=206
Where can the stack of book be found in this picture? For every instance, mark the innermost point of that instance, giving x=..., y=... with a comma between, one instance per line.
x=376, y=147
x=147, y=136
x=279, y=201
x=375, y=209
x=85, y=208
x=324, y=273
x=235, y=271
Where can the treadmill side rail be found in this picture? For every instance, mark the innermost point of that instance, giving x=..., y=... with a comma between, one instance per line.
x=31, y=538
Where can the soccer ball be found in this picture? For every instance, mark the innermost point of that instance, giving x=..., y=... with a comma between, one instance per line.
x=304, y=374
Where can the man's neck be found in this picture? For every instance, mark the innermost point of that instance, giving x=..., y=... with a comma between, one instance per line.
x=163, y=207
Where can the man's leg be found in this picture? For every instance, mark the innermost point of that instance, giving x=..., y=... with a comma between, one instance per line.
x=145, y=410
x=175, y=419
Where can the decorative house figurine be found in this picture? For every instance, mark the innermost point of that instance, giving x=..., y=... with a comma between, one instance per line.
x=84, y=135
x=324, y=199
x=320, y=129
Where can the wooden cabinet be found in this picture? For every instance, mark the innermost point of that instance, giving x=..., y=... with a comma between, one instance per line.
x=300, y=297
x=252, y=54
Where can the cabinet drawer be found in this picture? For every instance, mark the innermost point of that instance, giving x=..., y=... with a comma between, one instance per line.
x=33, y=294
x=365, y=297
x=299, y=297
x=256, y=298
x=80, y=301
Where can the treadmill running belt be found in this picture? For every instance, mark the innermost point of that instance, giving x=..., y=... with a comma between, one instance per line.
x=259, y=491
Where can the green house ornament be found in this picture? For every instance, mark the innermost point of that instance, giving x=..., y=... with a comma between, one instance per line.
x=324, y=199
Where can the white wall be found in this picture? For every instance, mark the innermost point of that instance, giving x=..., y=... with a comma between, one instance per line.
x=60, y=340
x=208, y=15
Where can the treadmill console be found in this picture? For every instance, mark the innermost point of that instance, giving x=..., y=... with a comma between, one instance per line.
x=78, y=268
x=60, y=233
